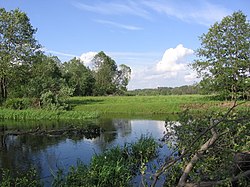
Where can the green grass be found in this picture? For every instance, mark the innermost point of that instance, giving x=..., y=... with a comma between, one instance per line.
x=137, y=104
x=147, y=105
x=32, y=114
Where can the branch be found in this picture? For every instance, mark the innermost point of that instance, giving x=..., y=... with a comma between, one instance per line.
x=196, y=157
x=170, y=163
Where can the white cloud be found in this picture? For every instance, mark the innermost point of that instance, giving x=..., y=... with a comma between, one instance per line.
x=172, y=59
x=87, y=58
x=58, y=53
x=119, y=25
x=202, y=12
x=191, y=77
x=170, y=71
x=115, y=8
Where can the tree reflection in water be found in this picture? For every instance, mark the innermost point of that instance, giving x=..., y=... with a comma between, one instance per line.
x=49, y=152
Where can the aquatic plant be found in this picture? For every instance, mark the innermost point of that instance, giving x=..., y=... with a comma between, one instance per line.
x=114, y=167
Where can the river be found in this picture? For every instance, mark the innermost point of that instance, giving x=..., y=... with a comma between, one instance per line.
x=50, y=153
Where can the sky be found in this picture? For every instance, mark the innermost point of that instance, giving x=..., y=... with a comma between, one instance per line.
x=157, y=39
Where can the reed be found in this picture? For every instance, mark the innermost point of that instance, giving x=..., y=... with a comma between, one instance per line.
x=33, y=114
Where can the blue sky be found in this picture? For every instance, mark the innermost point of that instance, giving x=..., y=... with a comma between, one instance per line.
x=156, y=38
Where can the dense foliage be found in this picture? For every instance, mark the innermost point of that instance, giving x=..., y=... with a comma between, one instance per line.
x=17, y=46
x=224, y=57
x=108, y=78
x=211, y=149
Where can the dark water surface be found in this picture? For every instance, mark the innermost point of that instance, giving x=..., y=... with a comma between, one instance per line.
x=50, y=153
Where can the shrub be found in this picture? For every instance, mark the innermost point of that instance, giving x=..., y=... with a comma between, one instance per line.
x=51, y=101
x=19, y=103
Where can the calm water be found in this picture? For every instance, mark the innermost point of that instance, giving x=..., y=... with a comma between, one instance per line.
x=48, y=154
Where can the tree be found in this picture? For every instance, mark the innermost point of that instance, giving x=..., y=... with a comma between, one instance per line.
x=109, y=79
x=105, y=73
x=224, y=56
x=17, y=45
x=208, y=150
x=123, y=77
x=45, y=76
x=78, y=77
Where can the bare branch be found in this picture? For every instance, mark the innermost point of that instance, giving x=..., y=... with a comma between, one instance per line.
x=196, y=157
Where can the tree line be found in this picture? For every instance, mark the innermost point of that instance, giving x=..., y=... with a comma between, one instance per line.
x=25, y=71
x=181, y=90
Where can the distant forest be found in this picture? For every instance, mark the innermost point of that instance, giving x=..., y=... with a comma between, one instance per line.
x=182, y=90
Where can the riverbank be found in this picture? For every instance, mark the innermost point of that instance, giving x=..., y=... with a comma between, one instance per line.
x=136, y=107
x=35, y=114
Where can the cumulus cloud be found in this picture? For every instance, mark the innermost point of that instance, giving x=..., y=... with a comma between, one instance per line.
x=169, y=71
x=173, y=58
x=87, y=58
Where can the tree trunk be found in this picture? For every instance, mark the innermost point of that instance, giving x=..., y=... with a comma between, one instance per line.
x=3, y=87
x=196, y=157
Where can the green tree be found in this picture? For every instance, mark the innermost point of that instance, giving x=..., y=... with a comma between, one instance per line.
x=224, y=56
x=105, y=73
x=45, y=76
x=123, y=77
x=78, y=77
x=108, y=78
x=17, y=45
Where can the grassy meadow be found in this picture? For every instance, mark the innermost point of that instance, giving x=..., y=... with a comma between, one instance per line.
x=147, y=105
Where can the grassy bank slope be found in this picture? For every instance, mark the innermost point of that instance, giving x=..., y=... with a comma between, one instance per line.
x=33, y=114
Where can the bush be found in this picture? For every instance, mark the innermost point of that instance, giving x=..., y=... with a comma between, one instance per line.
x=51, y=101
x=19, y=103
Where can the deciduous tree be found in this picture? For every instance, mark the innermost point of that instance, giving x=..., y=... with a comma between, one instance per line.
x=123, y=77
x=78, y=77
x=224, y=56
x=17, y=45
x=105, y=73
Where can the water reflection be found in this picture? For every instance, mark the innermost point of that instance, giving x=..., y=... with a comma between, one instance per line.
x=49, y=153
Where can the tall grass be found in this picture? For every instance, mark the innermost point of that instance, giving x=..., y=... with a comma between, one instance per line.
x=32, y=114
x=114, y=167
